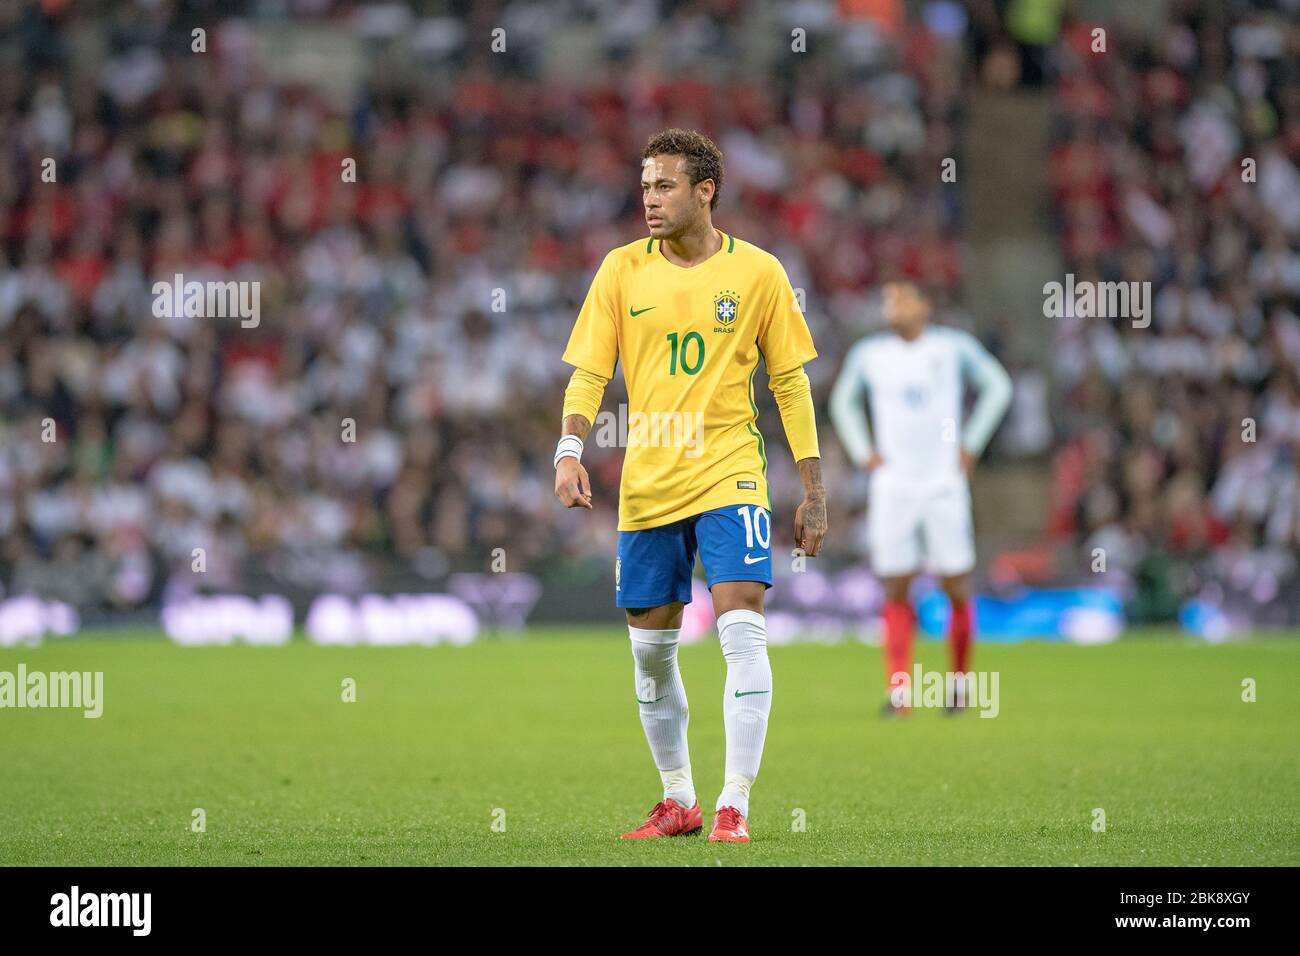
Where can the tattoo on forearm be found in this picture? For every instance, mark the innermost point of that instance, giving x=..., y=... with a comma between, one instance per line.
x=810, y=470
x=814, y=506
x=576, y=425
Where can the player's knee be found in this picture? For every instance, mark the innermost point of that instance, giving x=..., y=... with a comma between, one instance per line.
x=738, y=596
x=898, y=589
x=742, y=634
x=958, y=589
x=663, y=617
x=656, y=661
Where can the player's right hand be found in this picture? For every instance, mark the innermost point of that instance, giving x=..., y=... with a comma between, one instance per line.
x=572, y=486
x=874, y=462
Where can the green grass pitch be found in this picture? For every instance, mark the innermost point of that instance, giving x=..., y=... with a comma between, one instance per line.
x=1151, y=729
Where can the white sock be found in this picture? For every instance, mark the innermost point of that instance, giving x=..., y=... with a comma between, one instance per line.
x=679, y=786
x=735, y=793
x=743, y=635
x=664, y=713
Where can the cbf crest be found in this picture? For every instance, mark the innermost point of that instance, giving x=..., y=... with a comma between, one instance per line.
x=726, y=309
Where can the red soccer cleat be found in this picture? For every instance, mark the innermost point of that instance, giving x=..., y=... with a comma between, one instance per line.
x=669, y=818
x=729, y=826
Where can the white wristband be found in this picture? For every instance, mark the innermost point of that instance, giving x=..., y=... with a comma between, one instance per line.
x=570, y=446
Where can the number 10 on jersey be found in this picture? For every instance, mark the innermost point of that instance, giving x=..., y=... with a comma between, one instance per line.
x=687, y=367
x=758, y=525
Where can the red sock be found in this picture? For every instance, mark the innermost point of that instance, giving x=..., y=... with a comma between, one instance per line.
x=898, y=639
x=960, y=629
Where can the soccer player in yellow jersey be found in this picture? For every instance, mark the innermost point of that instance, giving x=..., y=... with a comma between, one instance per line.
x=691, y=311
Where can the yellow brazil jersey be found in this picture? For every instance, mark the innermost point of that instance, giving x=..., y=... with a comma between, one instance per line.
x=690, y=340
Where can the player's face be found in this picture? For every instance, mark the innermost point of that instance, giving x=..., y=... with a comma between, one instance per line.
x=672, y=206
x=906, y=309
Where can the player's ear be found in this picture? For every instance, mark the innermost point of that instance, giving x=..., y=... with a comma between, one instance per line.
x=705, y=189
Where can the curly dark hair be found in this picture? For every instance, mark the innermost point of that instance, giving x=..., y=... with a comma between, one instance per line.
x=703, y=158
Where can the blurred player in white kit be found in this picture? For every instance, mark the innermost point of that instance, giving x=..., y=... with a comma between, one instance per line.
x=919, y=510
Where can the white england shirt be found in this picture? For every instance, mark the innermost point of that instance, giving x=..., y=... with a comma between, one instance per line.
x=915, y=394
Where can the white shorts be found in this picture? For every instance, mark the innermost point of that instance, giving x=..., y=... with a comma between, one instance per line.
x=910, y=531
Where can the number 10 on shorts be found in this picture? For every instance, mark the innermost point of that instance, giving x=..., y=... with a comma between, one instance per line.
x=758, y=525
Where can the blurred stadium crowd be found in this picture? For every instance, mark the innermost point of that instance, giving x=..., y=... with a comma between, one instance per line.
x=429, y=300
x=1175, y=163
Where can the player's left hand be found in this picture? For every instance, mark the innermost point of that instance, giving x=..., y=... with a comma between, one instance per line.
x=967, y=463
x=810, y=525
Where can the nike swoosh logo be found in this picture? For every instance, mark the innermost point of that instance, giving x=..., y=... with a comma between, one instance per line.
x=752, y=560
x=746, y=693
x=655, y=701
x=636, y=312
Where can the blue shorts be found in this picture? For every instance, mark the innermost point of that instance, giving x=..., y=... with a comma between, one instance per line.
x=654, y=566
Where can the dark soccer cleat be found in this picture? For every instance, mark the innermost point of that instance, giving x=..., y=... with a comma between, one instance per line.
x=890, y=709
